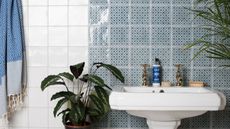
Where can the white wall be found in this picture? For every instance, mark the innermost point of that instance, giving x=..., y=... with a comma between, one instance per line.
x=56, y=37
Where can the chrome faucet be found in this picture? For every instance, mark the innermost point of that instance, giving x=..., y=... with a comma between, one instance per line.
x=179, y=78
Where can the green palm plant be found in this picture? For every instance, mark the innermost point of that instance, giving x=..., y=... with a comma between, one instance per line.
x=217, y=13
x=91, y=99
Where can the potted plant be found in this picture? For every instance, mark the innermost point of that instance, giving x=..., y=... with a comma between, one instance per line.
x=91, y=99
x=217, y=13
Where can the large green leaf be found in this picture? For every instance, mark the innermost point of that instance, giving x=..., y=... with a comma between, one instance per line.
x=115, y=71
x=78, y=112
x=62, y=94
x=102, y=94
x=59, y=105
x=67, y=75
x=50, y=80
x=77, y=69
x=98, y=103
x=63, y=111
x=96, y=80
x=94, y=112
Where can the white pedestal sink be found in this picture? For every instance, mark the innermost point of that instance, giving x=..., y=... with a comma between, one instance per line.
x=164, y=107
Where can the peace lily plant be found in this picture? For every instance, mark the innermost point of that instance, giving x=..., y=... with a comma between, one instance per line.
x=91, y=99
x=217, y=15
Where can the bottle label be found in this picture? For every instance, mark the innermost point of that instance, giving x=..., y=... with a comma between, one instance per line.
x=156, y=74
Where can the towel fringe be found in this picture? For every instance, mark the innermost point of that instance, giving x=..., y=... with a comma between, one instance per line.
x=15, y=102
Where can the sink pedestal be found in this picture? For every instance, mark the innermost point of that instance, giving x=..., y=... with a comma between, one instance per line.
x=163, y=124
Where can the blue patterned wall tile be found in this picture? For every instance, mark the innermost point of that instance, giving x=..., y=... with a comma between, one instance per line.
x=200, y=33
x=140, y=36
x=164, y=54
x=139, y=56
x=166, y=74
x=140, y=1
x=101, y=123
x=119, y=15
x=201, y=60
x=119, y=2
x=182, y=2
x=202, y=75
x=160, y=15
x=199, y=20
x=98, y=36
x=186, y=75
x=98, y=15
x=185, y=124
x=98, y=55
x=104, y=74
x=218, y=62
x=136, y=76
x=161, y=36
x=118, y=119
x=181, y=36
x=220, y=119
x=181, y=16
x=119, y=36
x=98, y=2
x=202, y=121
x=139, y=15
x=221, y=78
x=137, y=122
x=181, y=56
x=165, y=2
x=119, y=56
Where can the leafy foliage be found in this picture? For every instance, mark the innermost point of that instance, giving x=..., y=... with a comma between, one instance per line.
x=217, y=12
x=93, y=101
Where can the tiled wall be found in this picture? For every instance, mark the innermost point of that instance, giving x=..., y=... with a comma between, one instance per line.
x=127, y=33
x=56, y=37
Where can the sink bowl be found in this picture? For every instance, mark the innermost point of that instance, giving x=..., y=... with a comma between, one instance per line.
x=164, y=107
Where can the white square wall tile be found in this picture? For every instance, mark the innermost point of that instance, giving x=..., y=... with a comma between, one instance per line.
x=36, y=75
x=58, y=56
x=24, y=2
x=78, y=36
x=37, y=56
x=78, y=15
x=58, y=15
x=38, y=16
x=38, y=98
x=58, y=2
x=77, y=55
x=38, y=36
x=20, y=118
x=38, y=117
x=37, y=2
x=58, y=36
x=55, y=122
x=78, y=2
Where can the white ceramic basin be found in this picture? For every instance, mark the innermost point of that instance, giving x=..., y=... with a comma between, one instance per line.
x=165, y=110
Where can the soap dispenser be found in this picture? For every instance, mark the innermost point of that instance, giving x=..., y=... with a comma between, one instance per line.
x=156, y=80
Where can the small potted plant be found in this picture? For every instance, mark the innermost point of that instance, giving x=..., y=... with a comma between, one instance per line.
x=91, y=99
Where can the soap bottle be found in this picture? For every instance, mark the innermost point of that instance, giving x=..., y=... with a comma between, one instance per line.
x=156, y=80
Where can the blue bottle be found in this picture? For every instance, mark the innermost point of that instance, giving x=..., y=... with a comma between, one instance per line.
x=156, y=80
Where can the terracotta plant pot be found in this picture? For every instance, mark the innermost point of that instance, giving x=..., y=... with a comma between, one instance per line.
x=86, y=126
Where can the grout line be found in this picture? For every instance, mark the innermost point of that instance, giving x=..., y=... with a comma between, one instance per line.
x=129, y=55
x=171, y=40
x=150, y=34
x=192, y=50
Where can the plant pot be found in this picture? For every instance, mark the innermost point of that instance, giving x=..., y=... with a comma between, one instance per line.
x=86, y=126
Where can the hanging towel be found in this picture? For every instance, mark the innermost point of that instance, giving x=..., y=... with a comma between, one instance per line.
x=12, y=58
